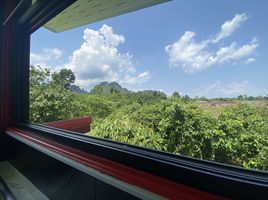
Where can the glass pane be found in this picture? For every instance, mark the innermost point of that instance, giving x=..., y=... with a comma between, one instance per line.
x=186, y=77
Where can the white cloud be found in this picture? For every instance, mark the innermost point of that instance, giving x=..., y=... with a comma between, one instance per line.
x=194, y=56
x=54, y=53
x=46, y=56
x=188, y=54
x=142, y=77
x=233, y=52
x=37, y=59
x=250, y=60
x=98, y=59
x=230, y=26
x=219, y=89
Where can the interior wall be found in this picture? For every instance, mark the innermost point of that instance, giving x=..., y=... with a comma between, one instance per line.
x=6, y=7
x=9, y=148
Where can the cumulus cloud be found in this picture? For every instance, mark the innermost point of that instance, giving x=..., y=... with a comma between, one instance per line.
x=98, y=59
x=46, y=56
x=194, y=56
x=188, y=54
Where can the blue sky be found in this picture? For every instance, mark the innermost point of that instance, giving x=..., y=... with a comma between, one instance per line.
x=200, y=48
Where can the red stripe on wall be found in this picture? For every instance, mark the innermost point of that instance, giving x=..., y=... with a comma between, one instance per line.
x=155, y=184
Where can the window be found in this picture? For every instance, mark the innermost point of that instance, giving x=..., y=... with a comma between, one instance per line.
x=169, y=77
x=159, y=166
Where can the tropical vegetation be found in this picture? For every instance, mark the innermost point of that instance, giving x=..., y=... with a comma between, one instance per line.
x=236, y=134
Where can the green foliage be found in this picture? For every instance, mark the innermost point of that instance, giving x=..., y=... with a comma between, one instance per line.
x=183, y=126
x=63, y=78
x=176, y=95
x=128, y=131
x=237, y=135
x=38, y=76
x=242, y=136
x=149, y=96
x=108, y=88
x=48, y=101
x=95, y=106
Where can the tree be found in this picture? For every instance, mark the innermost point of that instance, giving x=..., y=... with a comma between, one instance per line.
x=49, y=99
x=39, y=75
x=64, y=78
x=50, y=102
x=241, y=136
x=240, y=97
x=238, y=135
x=176, y=95
x=186, y=98
x=123, y=129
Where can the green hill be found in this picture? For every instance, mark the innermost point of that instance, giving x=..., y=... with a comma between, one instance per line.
x=108, y=88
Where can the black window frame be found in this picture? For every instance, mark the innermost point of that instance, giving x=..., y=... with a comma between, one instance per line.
x=216, y=178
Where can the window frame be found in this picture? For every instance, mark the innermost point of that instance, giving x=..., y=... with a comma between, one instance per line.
x=211, y=177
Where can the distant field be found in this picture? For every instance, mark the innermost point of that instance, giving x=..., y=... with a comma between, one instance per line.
x=212, y=107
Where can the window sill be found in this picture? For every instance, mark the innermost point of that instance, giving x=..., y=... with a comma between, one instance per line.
x=160, y=173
